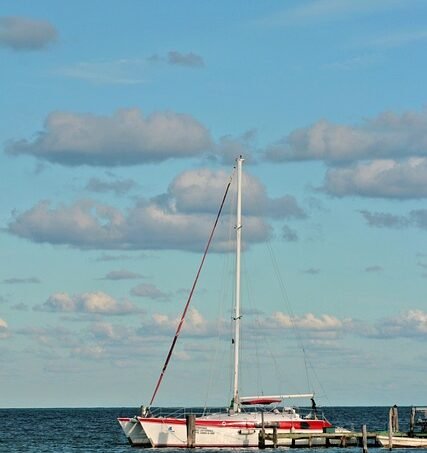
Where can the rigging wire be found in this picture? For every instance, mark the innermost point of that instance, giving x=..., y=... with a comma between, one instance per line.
x=181, y=322
x=307, y=362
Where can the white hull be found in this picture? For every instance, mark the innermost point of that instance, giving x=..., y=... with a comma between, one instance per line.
x=231, y=431
x=403, y=442
x=134, y=432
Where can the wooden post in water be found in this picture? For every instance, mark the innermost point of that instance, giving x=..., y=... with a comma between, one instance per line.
x=390, y=428
x=365, y=439
x=412, y=422
x=261, y=434
x=275, y=436
x=395, y=419
x=191, y=430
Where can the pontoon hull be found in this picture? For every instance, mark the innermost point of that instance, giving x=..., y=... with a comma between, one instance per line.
x=134, y=432
x=224, y=431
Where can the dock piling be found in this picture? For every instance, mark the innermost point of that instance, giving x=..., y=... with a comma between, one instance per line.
x=191, y=430
x=364, y=439
x=390, y=429
x=261, y=434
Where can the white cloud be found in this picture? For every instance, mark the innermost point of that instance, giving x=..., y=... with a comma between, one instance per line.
x=126, y=138
x=389, y=135
x=177, y=58
x=415, y=218
x=380, y=178
x=189, y=59
x=4, y=329
x=309, y=321
x=150, y=291
x=289, y=234
x=195, y=324
x=122, y=274
x=119, y=187
x=180, y=219
x=83, y=224
x=324, y=327
x=90, y=352
x=199, y=191
x=22, y=33
x=410, y=324
x=94, y=303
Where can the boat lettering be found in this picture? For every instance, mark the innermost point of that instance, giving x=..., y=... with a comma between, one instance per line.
x=204, y=431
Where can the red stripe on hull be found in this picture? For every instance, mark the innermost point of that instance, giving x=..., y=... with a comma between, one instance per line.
x=205, y=446
x=289, y=424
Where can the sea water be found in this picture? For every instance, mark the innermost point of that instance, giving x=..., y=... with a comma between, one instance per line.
x=97, y=430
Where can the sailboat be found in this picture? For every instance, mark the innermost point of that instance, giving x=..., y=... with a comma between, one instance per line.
x=237, y=426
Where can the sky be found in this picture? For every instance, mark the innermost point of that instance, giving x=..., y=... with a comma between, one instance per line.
x=120, y=125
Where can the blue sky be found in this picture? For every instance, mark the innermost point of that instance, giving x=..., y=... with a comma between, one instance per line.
x=120, y=125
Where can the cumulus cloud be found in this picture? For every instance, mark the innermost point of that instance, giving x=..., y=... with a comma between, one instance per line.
x=327, y=327
x=410, y=324
x=389, y=135
x=94, y=303
x=179, y=219
x=118, y=187
x=22, y=33
x=175, y=57
x=107, y=257
x=311, y=271
x=108, y=332
x=416, y=218
x=122, y=274
x=288, y=234
x=195, y=324
x=84, y=224
x=229, y=147
x=4, y=329
x=200, y=190
x=384, y=219
x=150, y=291
x=125, y=138
x=373, y=269
x=189, y=59
x=380, y=178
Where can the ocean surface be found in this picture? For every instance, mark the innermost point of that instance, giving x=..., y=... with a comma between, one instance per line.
x=96, y=429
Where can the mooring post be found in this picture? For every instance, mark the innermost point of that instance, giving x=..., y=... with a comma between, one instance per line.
x=261, y=434
x=275, y=436
x=412, y=422
x=390, y=428
x=191, y=430
x=395, y=419
x=364, y=439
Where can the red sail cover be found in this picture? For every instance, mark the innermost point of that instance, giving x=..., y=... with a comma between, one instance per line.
x=260, y=400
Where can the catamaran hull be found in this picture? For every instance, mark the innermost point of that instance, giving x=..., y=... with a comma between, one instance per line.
x=217, y=433
x=134, y=432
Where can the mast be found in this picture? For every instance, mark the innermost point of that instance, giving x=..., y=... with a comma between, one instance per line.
x=237, y=316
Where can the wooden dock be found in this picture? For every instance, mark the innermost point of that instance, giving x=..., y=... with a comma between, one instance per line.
x=270, y=438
